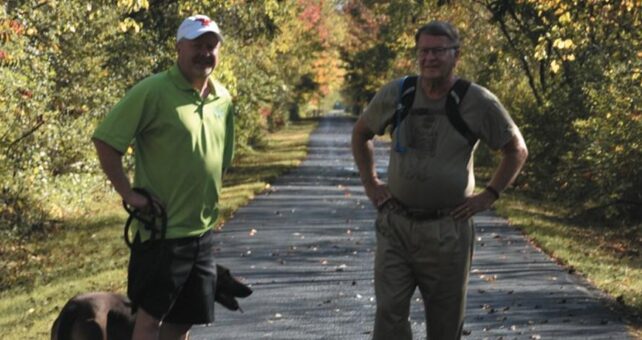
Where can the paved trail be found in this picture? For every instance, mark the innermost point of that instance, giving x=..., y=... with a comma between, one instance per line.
x=307, y=248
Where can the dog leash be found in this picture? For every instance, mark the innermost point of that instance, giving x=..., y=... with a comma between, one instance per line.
x=228, y=288
x=154, y=220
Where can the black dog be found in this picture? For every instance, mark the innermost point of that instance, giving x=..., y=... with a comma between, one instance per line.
x=109, y=316
x=95, y=316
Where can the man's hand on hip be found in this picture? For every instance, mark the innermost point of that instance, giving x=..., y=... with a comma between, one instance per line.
x=377, y=192
x=473, y=204
x=137, y=201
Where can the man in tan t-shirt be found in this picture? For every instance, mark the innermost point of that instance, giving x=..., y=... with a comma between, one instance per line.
x=424, y=226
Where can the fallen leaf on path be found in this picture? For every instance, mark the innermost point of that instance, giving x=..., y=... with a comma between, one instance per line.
x=488, y=278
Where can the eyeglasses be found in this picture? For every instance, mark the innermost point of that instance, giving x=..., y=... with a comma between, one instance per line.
x=436, y=51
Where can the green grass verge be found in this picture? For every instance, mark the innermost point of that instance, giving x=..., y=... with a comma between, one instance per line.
x=87, y=253
x=607, y=256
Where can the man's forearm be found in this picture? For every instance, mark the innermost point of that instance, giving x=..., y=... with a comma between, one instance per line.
x=364, y=158
x=363, y=152
x=513, y=158
x=112, y=165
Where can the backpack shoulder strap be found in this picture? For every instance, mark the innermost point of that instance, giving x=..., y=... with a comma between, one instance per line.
x=455, y=96
x=406, y=96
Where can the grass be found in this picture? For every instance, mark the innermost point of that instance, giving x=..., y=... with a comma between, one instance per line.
x=607, y=256
x=40, y=273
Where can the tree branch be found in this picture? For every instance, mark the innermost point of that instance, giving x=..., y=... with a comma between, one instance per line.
x=522, y=59
x=26, y=134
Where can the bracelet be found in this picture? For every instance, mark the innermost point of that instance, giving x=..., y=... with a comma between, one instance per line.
x=493, y=192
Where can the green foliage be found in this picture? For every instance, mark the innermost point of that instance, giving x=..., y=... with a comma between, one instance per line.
x=64, y=64
x=569, y=73
x=52, y=69
x=582, y=64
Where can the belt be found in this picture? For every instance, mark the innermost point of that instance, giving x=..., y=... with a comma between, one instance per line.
x=427, y=214
x=417, y=214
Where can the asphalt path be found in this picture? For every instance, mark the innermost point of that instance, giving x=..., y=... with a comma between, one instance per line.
x=306, y=246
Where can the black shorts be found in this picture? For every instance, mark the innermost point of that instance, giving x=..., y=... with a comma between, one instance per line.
x=174, y=280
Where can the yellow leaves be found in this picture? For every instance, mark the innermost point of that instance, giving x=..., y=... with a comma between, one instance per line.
x=271, y=6
x=133, y=5
x=405, y=40
x=70, y=28
x=129, y=24
x=631, y=4
x=555, y=66
x=563, y=44
x=565, y=18
x=540, y=53
x=540, y=49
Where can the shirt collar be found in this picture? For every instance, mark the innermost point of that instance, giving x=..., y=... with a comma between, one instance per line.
x=178, y=79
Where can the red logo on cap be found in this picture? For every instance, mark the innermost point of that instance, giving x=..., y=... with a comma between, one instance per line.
x=204, y=21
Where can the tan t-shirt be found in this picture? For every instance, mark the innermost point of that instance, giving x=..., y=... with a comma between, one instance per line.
x=436, y=169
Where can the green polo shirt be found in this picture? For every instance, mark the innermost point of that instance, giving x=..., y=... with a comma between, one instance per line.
x=182, y=144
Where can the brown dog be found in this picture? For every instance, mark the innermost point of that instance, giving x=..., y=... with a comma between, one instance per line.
x=95, y=316
x=109, y=316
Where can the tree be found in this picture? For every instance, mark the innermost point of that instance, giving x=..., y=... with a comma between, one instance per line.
x=65, y=64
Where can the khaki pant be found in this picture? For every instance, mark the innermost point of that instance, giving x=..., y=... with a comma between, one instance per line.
x=433, y=255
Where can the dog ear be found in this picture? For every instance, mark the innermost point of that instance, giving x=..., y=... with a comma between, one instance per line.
x=62, y=327
x=87, y=330
x=227, y=301
x=120, y=324
x=228, y=284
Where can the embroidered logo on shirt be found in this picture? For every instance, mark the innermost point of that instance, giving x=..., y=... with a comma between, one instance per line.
x=218, y=112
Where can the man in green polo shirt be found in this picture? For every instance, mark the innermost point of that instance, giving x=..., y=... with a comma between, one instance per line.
x=181, y=124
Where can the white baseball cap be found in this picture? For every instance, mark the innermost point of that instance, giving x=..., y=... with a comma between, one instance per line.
x=195, y=26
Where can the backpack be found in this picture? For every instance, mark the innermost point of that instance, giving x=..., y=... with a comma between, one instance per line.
x=455, y=96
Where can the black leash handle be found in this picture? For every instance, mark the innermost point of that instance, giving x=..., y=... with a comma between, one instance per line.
x=148, y=219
